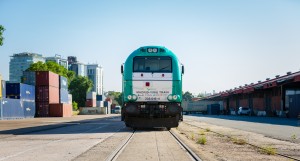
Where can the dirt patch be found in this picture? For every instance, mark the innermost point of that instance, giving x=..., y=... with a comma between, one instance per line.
x=202, y=139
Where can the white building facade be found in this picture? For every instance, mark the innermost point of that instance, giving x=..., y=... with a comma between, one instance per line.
x=20, y=62
x=95, y=74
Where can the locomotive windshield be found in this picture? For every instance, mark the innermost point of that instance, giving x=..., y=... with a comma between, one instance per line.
x=152, y=64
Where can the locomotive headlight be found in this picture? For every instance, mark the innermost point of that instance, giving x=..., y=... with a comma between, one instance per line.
x=154, y=50
x=134, y=97
x=170, y=97
x=175, y=97
x=150, y=50
x=129, y=97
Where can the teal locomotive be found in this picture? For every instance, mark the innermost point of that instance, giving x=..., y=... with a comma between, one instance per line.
x=152, y=88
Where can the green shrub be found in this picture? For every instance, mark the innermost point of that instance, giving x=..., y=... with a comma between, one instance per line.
x=294, y=137
x=192, y=136
x=202, y=140
x=268, y=150
x=201, y=132
x=75, y=106
x=238, y=141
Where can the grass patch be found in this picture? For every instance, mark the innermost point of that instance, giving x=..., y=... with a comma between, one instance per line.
x=268, y=150
x=294, y=137
x=238, y=141
x=202, y=140
x=75, y=112
x=192, y=136
x=220, y=135
x=201, y=132
x=207, y=129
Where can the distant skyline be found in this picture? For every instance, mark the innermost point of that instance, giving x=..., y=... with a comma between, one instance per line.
x=223, y=44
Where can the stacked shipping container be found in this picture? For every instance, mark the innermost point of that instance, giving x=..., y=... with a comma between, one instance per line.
x=47, y=91
x=28, y=78
x=47, y=95
x=20, y=101
x=64, y=107
x=63, y=90
x=91, y=99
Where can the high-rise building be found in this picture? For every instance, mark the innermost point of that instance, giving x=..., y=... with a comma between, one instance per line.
x=20, y=62
x=78, y=68
x=57, y=59
x=95, y=73
x=72, y=59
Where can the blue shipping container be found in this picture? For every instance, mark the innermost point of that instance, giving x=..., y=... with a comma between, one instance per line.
x=63, y=96
x=12, y=109
x=28, y=78
x=29, y=109
x=99, y=97
x=63, y=82
x=20, y=91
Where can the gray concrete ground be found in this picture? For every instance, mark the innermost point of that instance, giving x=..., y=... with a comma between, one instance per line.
x=153, y=145
x=92, y=137
x=279, y=128
x=54, y=138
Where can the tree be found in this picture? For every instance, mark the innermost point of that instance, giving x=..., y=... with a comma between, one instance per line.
x=79, y=86
x=187, y=96
x=53, y=67
x=119, y=99
x=2, y=29
x=116, y=97
x=201, y=95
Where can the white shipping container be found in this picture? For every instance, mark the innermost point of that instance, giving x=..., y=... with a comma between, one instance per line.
x=70, y=100
x=100, y=104
x=91, y=95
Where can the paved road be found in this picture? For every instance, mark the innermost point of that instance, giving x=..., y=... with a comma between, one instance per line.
x=63, y=142
x=279, y=128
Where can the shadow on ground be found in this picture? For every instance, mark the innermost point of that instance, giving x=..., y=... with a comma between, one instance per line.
x=99, y=125
x=254, y=119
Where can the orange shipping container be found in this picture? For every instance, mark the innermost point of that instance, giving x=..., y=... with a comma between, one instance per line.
x=47, y=94
x=90, y=103
x=60, y=110
x=47, y=78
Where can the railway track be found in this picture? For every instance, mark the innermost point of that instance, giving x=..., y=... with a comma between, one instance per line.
x=255, y=146
x=113, y=156
x=190, y=152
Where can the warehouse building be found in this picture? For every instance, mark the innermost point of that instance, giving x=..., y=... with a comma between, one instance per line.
x=279, y=96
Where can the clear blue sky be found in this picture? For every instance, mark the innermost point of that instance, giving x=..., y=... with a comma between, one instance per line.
x=223, y=44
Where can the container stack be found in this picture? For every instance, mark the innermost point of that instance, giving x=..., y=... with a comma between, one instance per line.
x=63, y=108
x=47, y=92
x=63, y=90
x=19, y=101
x=99, y=99
x=29, y=78
x=90, y=99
